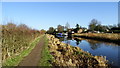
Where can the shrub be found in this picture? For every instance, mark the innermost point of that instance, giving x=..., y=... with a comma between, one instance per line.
x=15, y=39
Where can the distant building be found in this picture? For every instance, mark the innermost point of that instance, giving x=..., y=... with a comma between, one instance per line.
x=70, y=30
x=80, y=31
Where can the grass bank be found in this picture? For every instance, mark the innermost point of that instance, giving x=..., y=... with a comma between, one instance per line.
x=46, y=57
x=107, y=37
x=14, y=61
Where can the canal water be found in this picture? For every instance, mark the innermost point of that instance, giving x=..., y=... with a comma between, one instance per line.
x=98, y=48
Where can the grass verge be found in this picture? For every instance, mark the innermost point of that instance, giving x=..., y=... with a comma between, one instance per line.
x=46, y=57
x=14, y=61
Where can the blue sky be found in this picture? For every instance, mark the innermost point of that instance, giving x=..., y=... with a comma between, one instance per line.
x=42, y=15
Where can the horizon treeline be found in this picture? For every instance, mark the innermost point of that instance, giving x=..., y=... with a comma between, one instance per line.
x=94, y=25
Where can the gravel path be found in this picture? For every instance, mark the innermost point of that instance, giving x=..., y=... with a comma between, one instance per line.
x=34, y=57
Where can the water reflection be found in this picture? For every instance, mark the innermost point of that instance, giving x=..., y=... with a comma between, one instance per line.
x=96, y=42
x=77, y=41
x=110, y=50
x=94, y=45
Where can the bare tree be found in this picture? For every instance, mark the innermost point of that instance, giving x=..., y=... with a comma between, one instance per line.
x=93, y=24
x=67, y=26
x=60, y=28
x=51, y=30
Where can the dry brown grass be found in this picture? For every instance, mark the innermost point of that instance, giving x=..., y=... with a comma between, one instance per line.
x=113, y=36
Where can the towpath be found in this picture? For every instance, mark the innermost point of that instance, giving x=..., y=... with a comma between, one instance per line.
x=34, y=57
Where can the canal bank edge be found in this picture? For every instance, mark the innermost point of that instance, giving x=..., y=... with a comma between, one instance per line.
x=106, y=37
x=67, y=55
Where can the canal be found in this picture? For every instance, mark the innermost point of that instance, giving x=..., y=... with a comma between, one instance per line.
x=110, y=50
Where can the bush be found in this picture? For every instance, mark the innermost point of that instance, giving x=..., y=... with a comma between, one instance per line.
x=15, y=39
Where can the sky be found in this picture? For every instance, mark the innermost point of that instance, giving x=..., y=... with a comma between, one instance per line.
x=42, y=15
x=59, y=0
